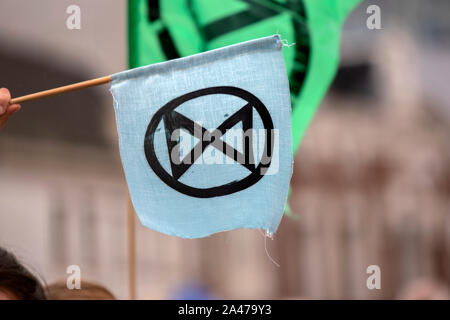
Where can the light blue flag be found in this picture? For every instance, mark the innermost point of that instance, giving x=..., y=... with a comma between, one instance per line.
x=205, y=140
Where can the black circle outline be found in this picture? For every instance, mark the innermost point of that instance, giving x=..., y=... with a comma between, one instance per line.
x=221, y=190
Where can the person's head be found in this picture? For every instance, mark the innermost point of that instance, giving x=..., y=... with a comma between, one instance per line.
x=424, y=289
x=88, y=291
x=16, y=282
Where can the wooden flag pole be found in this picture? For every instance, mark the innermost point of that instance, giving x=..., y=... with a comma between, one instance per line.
x=131, y=250
x=55, y=91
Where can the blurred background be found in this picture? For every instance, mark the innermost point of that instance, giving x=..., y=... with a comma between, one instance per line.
x=371, y=183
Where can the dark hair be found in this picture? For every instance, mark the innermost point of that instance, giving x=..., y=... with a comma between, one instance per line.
x=17, y=280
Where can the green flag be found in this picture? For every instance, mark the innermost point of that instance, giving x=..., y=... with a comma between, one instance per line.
x=163, y=30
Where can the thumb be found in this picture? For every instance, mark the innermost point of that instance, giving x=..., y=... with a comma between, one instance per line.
x=4, y=99
x=3, y=107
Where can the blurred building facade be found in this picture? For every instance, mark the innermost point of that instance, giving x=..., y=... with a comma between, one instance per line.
x=371, y=183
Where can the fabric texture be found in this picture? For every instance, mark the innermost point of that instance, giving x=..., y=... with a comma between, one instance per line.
x=239, y=86
x=164, y=30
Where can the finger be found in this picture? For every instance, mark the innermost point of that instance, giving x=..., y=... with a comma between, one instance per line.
x=12, y=109
x=5, y=97
x=3, y=120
